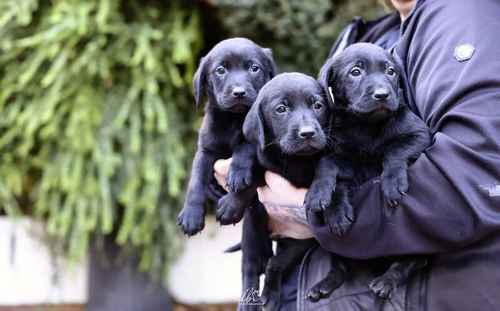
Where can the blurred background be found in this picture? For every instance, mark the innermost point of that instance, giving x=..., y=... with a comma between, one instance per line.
x=97, y=134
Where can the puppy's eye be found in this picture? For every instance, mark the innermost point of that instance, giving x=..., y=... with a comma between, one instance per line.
x=390, y=71
x=355, y=72
x=317, y=105
x=281, y=109
x=254, y=68
x=220, y=70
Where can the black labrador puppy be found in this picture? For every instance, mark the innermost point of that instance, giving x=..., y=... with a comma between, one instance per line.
x=288, y=126
x=373, y=132
x=230, y=77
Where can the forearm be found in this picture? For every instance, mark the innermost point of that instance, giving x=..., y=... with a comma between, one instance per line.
x=443, y=210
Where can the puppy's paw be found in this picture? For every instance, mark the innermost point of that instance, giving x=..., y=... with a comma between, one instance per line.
x=191, y=220
x=340, y=218
x=319, y=196
x=383, y=286
x=324, y=288
x=394, y=185
x=239, y=178
x=230, y=209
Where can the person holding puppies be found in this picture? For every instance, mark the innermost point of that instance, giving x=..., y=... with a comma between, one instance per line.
x=451, y=213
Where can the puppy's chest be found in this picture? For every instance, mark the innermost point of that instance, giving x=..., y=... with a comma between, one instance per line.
x=223, y=136
x=361, y=145
x=300, y=172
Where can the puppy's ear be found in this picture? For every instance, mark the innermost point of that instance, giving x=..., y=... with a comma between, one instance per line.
x=324, y=78
x=269, y=63
x=253, y=127
x=200, y=81
x=324, y=74
x=402, y=97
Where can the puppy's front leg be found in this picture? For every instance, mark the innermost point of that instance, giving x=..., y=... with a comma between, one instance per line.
x=414, y=139
x=340, y=216
x=192, y=217
x=231, y=207
x=329, y=198
x=319, y=196
x=394, y=180
x=243, y=176
x=395, y=166
x=240, y=173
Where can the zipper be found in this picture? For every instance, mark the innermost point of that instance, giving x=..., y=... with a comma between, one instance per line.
x=300, y=281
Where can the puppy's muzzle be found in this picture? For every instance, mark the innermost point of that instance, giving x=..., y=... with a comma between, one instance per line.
x=307, y=132
x=238, y=99
x=304, y=140
x=239, y=92
x=379, y=102
x=381, y=94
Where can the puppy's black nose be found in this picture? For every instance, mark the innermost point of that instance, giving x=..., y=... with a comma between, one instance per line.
x=239, y=92
x=307, y=132
x=381, y=94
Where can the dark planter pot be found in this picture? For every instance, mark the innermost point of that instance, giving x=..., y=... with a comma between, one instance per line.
x=115, y=283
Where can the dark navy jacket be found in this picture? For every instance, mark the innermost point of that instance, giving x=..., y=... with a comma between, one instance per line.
x=450, y=52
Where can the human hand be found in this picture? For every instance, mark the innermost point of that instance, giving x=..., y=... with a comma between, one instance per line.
x=283, y=202
x=221, y=169
x=284, y=205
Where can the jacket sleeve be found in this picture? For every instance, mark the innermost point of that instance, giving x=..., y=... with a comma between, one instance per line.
x=454, y=196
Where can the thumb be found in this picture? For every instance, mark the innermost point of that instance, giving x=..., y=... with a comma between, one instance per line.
x=221, y=167
x=264, y=194
x=277, y=183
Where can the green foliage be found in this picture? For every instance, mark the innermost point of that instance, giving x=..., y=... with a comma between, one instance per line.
x=96, y=123
x=95, y=118
x=300, y=32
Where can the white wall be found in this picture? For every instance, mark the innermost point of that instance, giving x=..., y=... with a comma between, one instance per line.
x=204, y=273
x=29, y=274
